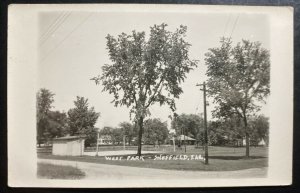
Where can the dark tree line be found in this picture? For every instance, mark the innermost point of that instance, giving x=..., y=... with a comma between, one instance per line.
x=222, y=132
x=79, y=120
x=155, y=133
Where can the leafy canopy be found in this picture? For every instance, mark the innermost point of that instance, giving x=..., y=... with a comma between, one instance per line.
x=156, y=131
x=144, y=72
x=45, y=98
x=238, y=77
x=82, y=119
x=44, y=103
x=188, y=124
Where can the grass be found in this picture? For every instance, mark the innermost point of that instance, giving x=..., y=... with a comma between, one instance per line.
x=51, y=171
x=220, y=159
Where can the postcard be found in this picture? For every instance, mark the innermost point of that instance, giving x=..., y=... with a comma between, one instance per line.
x=116, y=96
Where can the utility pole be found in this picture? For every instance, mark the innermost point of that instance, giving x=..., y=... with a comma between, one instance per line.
x=124, y=141
x=184, y=140
x=174, y=143
x=205, y=122
x=97, y=144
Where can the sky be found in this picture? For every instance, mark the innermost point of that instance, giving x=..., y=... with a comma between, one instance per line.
x=72, y=49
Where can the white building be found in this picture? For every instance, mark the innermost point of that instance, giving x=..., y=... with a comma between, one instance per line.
x=105, y=140
x=68, y=146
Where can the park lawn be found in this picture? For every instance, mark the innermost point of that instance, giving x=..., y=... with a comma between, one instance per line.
x=51, y=171
x=225, y=152
x=220, y=159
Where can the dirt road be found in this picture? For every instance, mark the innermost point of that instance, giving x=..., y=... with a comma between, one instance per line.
x=103, y=171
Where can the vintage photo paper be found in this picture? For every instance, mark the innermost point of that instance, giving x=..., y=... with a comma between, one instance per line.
x=149, y=95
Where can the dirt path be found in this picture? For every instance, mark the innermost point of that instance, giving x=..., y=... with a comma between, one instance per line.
x=103, y=171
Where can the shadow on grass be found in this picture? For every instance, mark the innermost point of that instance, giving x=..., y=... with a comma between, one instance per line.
x=236, y=157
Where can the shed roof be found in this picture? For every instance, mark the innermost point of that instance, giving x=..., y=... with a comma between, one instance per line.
x=68, y=138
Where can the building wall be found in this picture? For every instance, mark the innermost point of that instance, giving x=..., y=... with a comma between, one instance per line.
x=59, y=148
x=68, y=148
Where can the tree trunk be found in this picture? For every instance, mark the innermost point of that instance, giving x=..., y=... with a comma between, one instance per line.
x=247, y=137
x=139, y=152
x=247, y=145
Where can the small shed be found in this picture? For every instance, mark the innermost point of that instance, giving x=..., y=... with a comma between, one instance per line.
x=68, y=146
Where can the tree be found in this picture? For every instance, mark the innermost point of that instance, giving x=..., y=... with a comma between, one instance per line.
x=128, y=131
x=91, y=137
x=106, y=131
x=259, y=126
x=117, y=135
x=188, y=124
x=217, y=135
x=233, y=130
x=44, y=102
x=57, y=124
x=239, y=77
x=155, y=131
x=82, y=119
x=144, y=72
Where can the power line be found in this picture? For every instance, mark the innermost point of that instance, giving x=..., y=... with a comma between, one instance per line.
x=236, y=20
x=66, y=37
x=57, y=27
x=225, y=29
x=51, y=25
x=62, y=20
x=50, y=30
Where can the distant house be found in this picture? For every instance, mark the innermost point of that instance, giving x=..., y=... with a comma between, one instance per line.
x=262, y=142
x=183, y=138
x=105, y=140
x=68, y=146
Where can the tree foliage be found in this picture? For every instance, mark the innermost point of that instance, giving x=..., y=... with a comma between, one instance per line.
x=227, y=131
x=144, y=72
x=128, y=131
x=116, y=134
x=156, y=131
x=259, y=126
x=45, y=98
x=82, y=119
x=188, y=124
x=57, y=124
x=239, y=77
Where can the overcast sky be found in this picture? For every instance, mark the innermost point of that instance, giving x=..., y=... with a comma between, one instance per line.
x=73, y=49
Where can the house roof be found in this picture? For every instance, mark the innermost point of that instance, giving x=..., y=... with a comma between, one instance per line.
x=184, y=137
x=68, y=138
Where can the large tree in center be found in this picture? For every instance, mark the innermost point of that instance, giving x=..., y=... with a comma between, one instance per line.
x=239, y=78
x=143, y=72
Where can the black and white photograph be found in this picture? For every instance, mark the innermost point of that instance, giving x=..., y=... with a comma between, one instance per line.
x=150, y=95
